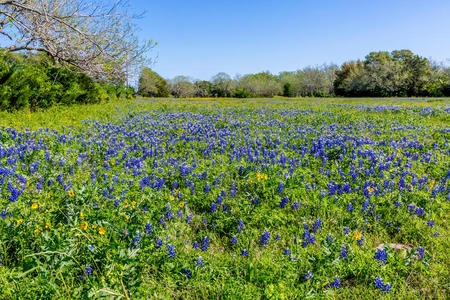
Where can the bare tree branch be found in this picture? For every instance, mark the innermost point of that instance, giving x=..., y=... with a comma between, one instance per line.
x=95, y=37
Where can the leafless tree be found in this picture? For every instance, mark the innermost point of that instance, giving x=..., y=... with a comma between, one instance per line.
x=96, y=37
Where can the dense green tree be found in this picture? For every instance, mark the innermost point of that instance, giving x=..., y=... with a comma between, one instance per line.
x=350, y=79
x=203, y=88
x=387, y=74
x=152, y=85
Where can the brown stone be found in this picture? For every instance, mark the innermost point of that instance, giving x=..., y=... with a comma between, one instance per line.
x=397, y=248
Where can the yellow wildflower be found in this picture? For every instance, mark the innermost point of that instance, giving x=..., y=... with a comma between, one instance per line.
x=84, y=225
x=171, y=198
x=19, y=221
x=127, y=217
x=37, y=229
x=34, y=206
x=133, y=203
x=357, y=235
x=47, y=225
x=181, y=204
x=101, y=230
x=175, y=191
x=94, y=226
x=70, y=193
x=82, y=216
x=125, y=203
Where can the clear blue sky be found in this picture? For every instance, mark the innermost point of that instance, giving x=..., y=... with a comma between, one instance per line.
x=201, y=38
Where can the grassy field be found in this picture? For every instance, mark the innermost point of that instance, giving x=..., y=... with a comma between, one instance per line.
x=226, y=198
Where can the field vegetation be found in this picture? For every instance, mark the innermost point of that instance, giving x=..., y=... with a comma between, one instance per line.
x=232, y=198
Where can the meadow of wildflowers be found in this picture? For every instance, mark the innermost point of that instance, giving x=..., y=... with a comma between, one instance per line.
x=270, y=198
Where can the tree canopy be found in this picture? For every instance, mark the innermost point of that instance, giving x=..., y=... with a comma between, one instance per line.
x=95, y=37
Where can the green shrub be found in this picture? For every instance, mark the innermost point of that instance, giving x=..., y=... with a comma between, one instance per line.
x=32, y=81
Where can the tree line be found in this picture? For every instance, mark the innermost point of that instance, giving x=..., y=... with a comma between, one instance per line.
x=399, y=73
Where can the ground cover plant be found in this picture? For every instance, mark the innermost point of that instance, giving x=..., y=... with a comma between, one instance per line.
x=258, y=198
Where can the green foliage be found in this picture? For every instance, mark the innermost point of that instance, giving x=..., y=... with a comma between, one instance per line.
x=287, y=90
x=260, y=85
x=152, y=85
x=32, y=81
x=242, y=93
x=382, y=74
x=203, y=89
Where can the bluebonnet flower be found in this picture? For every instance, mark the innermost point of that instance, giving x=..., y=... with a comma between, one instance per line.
x=116, y=203
x=278, y=237
x=233, y=190
x=195, y=245
x=265, y=238
x=87, y=271
x=307, y=239
x=295, y=205
x=136, y=240
x=159, y=243
x=317, y=224
x=430, y=223
x=162, y=222
x=234, y=240
x=336, y=283
x=4, y=214
x=219, y=199
x=379, y=284
x=244, y=252
x=213, y=207
x=436, y=233
x=344, y=252
x=419, y=211
x=205, y=244
x=420, y=253
x=283, y=202
x=207, y=188
x=280, y=188
x=365, y=206
x=241, y=225
x=287, y=252
x=199, y=262
x=170, y=250
x=381, y=256
x=329, y=238
x=189, y=218
x=350, y=207
x=346, y=230
x=188, y=273
x=309, y=275
x=398, y=204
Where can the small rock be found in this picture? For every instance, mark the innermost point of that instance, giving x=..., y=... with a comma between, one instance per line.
x=397, y=248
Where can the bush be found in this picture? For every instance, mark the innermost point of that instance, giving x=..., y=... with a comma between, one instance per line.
x=31, y=81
